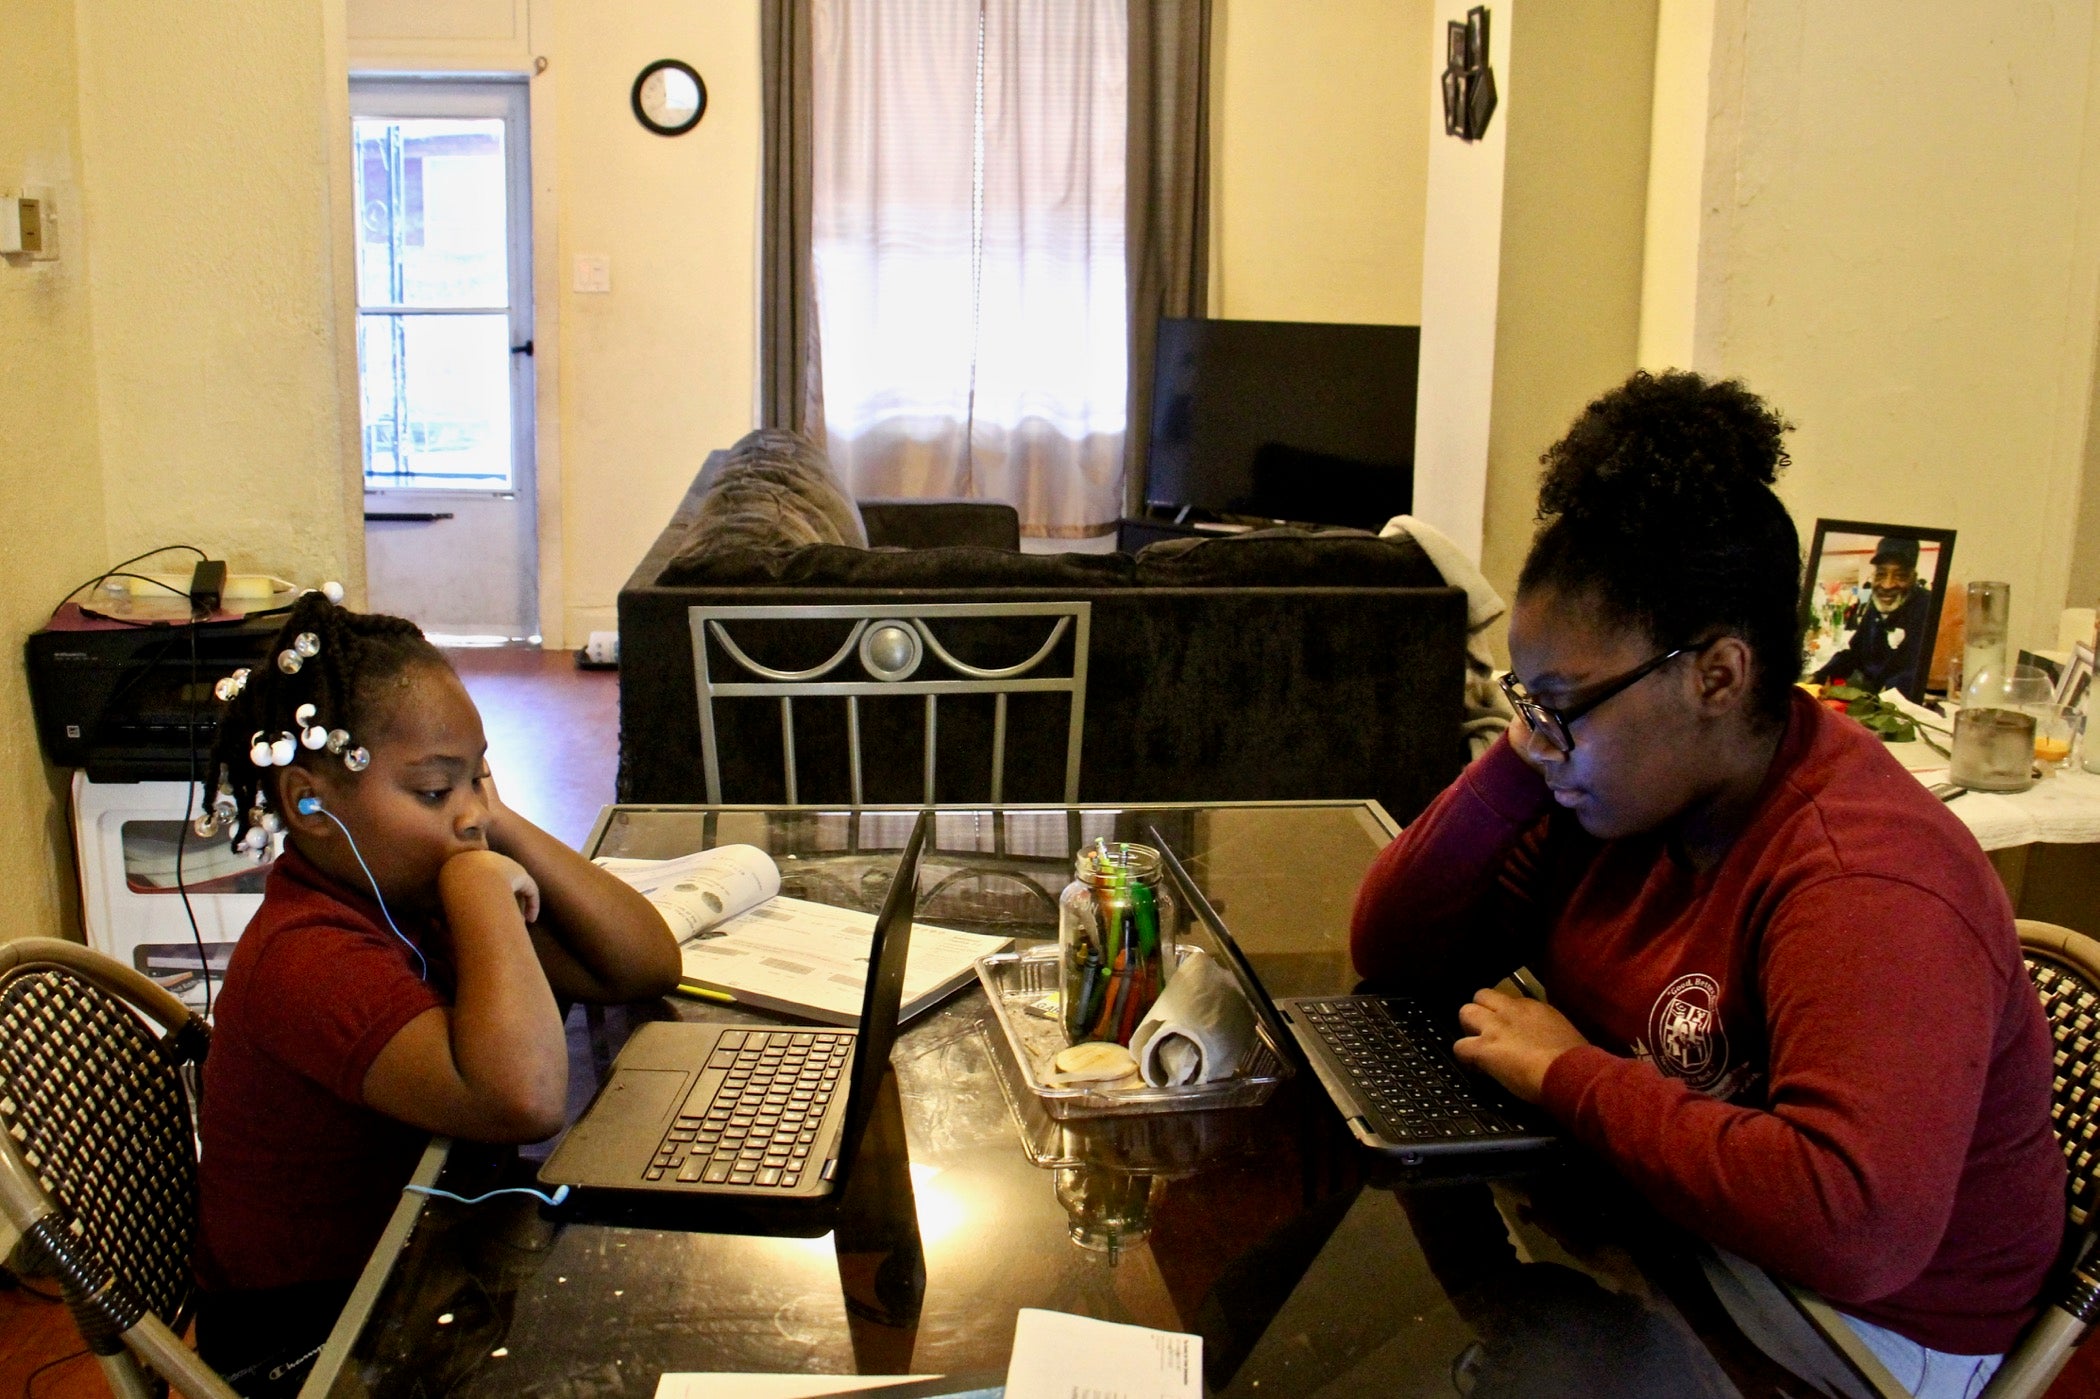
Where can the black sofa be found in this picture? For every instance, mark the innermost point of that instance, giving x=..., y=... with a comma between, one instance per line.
x=1278, y=667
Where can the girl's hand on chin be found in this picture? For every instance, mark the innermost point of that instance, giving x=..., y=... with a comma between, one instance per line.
x=492, y=866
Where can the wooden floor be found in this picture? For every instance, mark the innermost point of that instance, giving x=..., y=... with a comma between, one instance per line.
x=553, y=735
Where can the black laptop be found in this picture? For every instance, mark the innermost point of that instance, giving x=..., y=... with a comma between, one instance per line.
x=748, y=1115
x=1385, y=1061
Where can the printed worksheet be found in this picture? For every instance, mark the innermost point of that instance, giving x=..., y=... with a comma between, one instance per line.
x=695, y=892
x=1058, y=1356
x=809, y=958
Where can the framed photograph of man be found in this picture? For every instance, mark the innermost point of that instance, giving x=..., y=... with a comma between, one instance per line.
x=1871, y=603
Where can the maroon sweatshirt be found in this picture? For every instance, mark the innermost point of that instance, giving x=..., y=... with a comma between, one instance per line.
x=1823, y=1053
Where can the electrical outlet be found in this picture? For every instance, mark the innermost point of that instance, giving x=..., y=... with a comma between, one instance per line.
x=27, y=230
x=593, y=273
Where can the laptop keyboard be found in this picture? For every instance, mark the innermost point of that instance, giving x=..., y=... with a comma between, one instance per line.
x=759, y=1128
x=1394, y=1056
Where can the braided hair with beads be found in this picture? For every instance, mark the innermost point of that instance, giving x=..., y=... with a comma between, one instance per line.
x=316, y=692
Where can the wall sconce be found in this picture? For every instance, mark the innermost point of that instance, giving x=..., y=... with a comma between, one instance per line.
x=1469, y=84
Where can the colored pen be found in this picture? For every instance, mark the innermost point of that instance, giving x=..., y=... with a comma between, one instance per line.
x=705, y=993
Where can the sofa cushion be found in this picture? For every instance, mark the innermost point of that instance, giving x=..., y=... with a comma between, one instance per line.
x=958, y=566
x=1287, y=558
x=773, y=489
x=935, y=524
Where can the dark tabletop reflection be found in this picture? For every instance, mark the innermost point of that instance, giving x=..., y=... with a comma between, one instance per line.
x=1306, y=1265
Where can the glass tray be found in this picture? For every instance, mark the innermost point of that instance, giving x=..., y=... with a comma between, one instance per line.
x=1022, y=989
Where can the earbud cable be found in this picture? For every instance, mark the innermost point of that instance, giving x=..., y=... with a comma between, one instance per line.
x=561, y=1193
x=375, y=888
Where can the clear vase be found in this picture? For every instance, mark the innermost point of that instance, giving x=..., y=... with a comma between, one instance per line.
x=1984, y=639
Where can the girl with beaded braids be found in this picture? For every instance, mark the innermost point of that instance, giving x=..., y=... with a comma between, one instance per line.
x=1787, y=998
x=406, y=974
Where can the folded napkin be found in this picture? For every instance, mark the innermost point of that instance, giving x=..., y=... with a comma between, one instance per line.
x=1197, y=1030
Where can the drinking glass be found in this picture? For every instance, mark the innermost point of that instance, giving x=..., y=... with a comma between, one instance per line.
x=1993, y=750
x=2056, y=731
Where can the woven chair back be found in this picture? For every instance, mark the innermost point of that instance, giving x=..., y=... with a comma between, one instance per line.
x=2065, y=967
x=93, y=1103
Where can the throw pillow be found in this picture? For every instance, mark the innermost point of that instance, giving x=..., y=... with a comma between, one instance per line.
x=773, y=490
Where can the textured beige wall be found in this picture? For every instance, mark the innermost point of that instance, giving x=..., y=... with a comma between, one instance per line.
x=208, y=137
x=1568, y=318
x=1320, y=151
x=50, y=475
x=1901, y=254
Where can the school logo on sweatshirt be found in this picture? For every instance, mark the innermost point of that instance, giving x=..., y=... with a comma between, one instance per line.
x=1685, y=1030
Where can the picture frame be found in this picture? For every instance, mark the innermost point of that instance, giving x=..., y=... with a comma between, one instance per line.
x=1860, y=621
x=2075, y=686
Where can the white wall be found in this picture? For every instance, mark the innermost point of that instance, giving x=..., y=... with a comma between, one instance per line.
x=1568, y=313
x=222, y=357
x=1461, y=291
x=1898, y=248
x=1319, y=154
x=663, y=370
x=50, y=468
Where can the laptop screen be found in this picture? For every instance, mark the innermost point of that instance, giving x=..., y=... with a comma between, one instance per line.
x=887, y=951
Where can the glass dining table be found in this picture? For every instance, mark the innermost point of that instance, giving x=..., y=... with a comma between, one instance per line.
x=1307, y=1265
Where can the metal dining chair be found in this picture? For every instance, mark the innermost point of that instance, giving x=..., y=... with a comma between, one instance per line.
x=2065, y=969
x=98, y=1154
x=889, y=650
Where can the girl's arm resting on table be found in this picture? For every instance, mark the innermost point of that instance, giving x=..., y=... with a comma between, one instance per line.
x=597, y=938
x=1882, y=1006
x=493, y=1066
x=1422, y=899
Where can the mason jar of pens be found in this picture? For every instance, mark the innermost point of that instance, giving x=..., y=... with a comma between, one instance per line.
x=1116, y=927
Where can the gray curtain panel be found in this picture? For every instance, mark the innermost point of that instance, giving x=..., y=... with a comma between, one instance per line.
x=1167, y=229
x=791, y=381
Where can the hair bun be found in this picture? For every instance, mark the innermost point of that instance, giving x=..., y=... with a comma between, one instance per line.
x=1662, y=447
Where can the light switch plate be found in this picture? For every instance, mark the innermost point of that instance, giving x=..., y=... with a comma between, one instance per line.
x=593, y=273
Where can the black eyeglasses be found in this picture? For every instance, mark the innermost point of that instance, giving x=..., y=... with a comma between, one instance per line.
x=1554, y=725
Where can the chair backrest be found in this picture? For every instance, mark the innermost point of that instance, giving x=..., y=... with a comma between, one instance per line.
x=94, y=1108
x=885, y=650
x=2065, y=968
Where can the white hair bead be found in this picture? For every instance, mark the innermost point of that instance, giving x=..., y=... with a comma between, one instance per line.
x=332, y=590
x=283, y=749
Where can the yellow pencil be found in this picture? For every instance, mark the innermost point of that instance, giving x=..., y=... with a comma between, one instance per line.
x=705, y=993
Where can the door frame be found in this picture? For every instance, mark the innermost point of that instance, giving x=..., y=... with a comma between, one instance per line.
x=506, y=95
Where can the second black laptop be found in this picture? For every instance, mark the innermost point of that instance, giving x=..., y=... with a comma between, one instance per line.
x=1385, y=1063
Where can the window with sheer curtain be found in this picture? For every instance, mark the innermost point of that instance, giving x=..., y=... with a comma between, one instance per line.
x=967, y=235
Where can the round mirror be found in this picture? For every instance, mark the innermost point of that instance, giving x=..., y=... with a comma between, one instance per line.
x=669, y=97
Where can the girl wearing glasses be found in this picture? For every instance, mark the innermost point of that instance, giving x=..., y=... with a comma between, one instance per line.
x=1787, y=995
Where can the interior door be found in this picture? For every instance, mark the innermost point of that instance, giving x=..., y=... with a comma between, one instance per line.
x=444, y=354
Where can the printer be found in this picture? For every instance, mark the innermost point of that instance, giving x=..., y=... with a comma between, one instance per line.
x=120, y=701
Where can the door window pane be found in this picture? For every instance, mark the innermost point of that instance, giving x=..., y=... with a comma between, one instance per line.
x=431, y=219
x=433, y=268
x=436, y=400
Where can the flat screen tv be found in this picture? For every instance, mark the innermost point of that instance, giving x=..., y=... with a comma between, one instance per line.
x=1284, y=420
